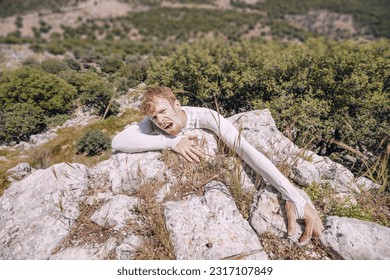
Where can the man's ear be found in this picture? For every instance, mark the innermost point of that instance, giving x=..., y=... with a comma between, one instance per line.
x=177, y=103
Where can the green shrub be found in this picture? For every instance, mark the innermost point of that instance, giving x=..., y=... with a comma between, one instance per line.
x=97, y=94
x=324, y=198
x=184, y=23
x=56, y=120
x=94, y=91
x=212, y=73
x=30, y=61
x=37, y=87
x=55, y=47
x=44, y=27
x=14, y=7
x=13, y=38
x=19, y=21
x=73, y=64
x=20, y=121
x=54, y=66
x=132, y=73
x=94, y=142
x=111, y=64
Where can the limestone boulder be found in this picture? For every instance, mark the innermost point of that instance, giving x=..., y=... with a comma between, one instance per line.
x=211, y=227
x=38, y=211
x=354, y=239
x=128, y=172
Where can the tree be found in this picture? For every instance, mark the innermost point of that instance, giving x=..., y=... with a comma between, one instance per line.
x=36, y=87
x=94, y=91
x=110, y=65
x=20, y=121
x=54, y=66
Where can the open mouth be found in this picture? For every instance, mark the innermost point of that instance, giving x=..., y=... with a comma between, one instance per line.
x=168, y=125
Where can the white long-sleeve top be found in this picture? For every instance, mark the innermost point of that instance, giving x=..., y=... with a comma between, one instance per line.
x=146, y=136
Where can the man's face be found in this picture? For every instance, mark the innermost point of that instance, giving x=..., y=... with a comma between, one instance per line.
x=167, y=116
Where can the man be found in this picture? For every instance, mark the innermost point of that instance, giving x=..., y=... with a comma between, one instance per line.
x=166, y=127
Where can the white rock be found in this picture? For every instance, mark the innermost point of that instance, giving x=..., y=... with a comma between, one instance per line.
x=92, y=252
x=211, y=227
x=128, y=248
x=305, y=173
x=366, y=184
x=38, y=212
x=127, y=172
x=19, y=172
x=116, y=212
x=268, y=213
x=259, y=128
x=354, y=239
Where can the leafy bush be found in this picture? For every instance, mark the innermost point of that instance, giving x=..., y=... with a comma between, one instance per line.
x=44, y=27
x=13, y=38
x=94, y=91
x=73, y=64
x=54, y=66
x=12, y=7
x=56, y=120
x=212, y=73
x=36, y=87
x=20, y=121
x=133, y=72
x=94, y=142
x=111, y=64
x=55, y=47
x=97, y=94
x=326, y=201
x=19, y=21
x=371, y=16
x=30, y=61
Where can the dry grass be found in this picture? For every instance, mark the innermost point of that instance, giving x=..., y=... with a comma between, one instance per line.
x=156, y=243
x=13, y=158
x=190, y=177
x=225, y=167
x=85, y=232
x=378, y=171
x=377, y=205
x=234, y=180
x=285, y=249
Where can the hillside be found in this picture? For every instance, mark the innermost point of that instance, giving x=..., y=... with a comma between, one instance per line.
x=126, y=43
x=71, y=77
x=275, y=19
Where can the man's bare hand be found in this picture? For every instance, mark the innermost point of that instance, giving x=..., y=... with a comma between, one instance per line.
x=313, y=223
x=188, y=148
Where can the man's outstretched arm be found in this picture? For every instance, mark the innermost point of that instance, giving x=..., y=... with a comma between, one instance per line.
x=263, y=166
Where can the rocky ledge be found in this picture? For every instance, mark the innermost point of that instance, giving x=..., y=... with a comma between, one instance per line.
x=69, y=211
